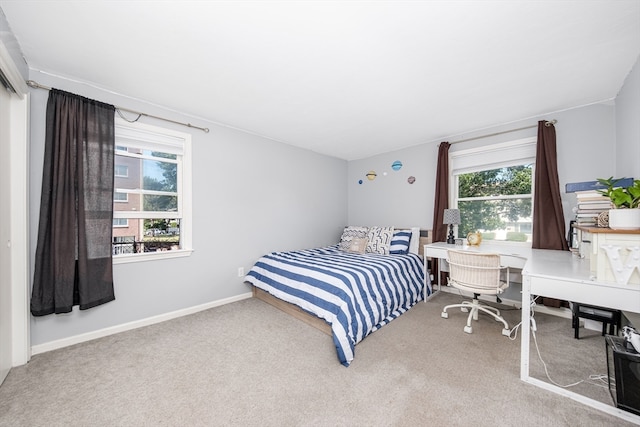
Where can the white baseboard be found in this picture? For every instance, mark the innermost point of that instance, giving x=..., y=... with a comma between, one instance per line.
x=77, y=339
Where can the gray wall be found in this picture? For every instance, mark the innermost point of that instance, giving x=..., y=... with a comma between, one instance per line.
x=595, y=141
x=586, y=145
x=250, y=196
x=628, y=126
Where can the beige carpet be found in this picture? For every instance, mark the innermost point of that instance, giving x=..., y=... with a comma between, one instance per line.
x=248, y=364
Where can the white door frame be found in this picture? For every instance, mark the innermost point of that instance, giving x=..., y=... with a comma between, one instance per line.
x=18, y=211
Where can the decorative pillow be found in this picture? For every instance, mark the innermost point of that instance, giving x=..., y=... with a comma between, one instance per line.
x=379, y=240
x=358, y=245
x=400, y=242
x=414, y=246
x=349, y=234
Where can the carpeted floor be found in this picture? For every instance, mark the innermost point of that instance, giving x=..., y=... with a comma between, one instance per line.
x=248, y=364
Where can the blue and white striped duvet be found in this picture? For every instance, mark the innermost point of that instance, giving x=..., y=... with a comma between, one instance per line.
x=356, y=294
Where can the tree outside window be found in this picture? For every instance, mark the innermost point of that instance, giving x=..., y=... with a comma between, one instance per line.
x=496, y=202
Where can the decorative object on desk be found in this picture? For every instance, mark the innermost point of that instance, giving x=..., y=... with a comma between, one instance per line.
x=451, y=217
x=603, y=219
x=459, y=243
x=626, y=203
x=622, y=269
x=474, y=239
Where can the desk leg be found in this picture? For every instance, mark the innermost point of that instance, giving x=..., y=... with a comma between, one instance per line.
x=425, y=271
x=525, y=337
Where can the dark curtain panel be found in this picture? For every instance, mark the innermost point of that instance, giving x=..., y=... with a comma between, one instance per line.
x=441, y=201
x=73, y=256
x=548, y=217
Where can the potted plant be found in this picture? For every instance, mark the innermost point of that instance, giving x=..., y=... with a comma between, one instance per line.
x=626, y=202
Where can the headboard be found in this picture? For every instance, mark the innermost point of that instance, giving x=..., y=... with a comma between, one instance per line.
x=425, y=239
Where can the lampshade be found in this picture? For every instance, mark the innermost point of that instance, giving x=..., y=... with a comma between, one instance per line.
x=451, y=216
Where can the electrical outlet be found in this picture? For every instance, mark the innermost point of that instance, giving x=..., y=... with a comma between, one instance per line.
x=240, y=271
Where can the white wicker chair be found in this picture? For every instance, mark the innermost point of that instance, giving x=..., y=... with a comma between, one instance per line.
x=478, y=273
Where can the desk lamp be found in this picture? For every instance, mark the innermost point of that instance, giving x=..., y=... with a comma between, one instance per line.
x=451, y=217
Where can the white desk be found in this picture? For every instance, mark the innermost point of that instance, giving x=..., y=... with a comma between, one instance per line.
x=561, y=275
x=512, y=256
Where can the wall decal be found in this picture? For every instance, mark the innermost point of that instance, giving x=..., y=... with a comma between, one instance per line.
x=397, y=165
x=360, y=181
x=411, y=179
x=371, y=175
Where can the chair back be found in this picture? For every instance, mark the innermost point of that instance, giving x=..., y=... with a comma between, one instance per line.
x=475, y=272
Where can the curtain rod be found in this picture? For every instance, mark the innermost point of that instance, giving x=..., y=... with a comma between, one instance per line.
x=36, y=85
x=547, y=124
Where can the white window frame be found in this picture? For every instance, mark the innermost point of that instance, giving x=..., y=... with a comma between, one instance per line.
x=124, y=225
x=120, y=175
x=125, y=200
x=140, y=135
x=488, y=157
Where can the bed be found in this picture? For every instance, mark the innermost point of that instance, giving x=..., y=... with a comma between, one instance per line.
x=346, y=294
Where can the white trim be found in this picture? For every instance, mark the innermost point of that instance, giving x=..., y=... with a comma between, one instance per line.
x=19, y=206
x=77, y=339
x=493, y=156
x=151, y=256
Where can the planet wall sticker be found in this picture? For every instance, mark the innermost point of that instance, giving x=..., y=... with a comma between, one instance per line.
x=411, y=179
x=371, y=175
x=397, y=165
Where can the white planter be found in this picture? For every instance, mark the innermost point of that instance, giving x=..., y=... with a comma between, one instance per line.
x=624, y=219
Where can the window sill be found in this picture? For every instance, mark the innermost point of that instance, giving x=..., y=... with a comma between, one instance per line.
x=152, y=256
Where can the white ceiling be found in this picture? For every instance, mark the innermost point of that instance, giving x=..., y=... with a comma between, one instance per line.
x=348, y=79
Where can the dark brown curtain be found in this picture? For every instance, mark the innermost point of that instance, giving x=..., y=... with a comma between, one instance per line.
x=548, y=217
x=73, y=263
x=441, y=201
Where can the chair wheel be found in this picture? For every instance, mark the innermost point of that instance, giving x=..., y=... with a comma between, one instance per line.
x=506, y=332
x=468, y=329
x=444, y=314
x=464, y=309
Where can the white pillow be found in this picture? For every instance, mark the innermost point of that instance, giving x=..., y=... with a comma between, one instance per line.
x=414, y=245
x=379, y=240
x=350, y=233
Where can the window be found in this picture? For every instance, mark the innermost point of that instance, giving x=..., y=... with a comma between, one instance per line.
x=120, y=222
x=493, y=188
x=122, y=170
x=152, y=201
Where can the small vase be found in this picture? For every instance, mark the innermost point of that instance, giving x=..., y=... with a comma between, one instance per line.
x=624, y=219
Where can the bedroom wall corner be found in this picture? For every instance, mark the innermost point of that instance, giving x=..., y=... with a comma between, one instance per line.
x=251, y=195
x=585, y=150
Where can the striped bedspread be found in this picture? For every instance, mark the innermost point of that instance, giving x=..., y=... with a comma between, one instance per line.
x=356, y=294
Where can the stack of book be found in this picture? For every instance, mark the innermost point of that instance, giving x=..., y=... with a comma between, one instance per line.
x=590, y=204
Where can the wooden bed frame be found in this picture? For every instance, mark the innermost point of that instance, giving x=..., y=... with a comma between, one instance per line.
x=308, y=318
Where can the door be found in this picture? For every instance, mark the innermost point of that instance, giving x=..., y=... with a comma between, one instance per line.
x=5, y=238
